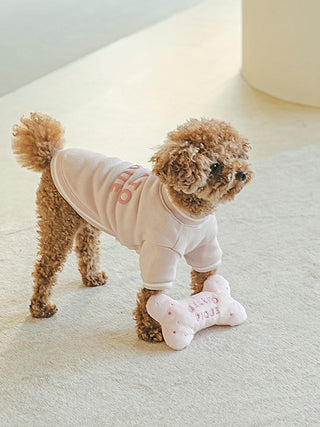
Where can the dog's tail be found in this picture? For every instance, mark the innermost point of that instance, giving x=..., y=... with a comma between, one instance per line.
x=36, y=139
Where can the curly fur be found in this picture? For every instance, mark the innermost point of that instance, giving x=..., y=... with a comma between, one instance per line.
x=181, y=166
x=183, y=163
x=36, y=139
x=198, y=279
x=88, y=251
x=147, y=328
x=55, y=241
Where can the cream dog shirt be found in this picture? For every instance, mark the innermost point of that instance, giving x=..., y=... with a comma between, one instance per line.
x=130, y=203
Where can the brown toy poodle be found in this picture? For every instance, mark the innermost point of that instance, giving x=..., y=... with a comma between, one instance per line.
x=164, y=214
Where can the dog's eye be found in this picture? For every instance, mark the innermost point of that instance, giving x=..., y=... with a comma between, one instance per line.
x=214, y=167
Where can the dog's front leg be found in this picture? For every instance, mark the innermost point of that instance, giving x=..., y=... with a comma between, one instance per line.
x=147, y=328
x=198, y=279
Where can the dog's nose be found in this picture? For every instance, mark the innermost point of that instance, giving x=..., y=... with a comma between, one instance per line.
x=241, y=176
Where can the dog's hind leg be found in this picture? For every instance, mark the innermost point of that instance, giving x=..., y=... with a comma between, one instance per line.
x=57, y=226
x=88, y=252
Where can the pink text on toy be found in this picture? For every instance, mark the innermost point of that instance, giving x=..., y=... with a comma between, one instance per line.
x=202, y=302
x=204, y=308
x=212, y=312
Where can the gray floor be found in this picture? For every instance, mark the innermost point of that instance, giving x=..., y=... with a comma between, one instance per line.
x=39, y=36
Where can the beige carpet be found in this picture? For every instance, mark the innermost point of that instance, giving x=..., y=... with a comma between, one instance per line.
x=85, y=366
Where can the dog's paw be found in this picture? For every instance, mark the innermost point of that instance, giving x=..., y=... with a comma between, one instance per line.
x=97, y=279
x=150, y=334
x=41, y=311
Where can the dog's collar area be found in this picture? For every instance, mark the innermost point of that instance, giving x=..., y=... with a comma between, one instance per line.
x=179, y=214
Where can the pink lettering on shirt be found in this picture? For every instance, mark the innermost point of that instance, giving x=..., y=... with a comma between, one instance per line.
x=125, y=178
x=125, y=195
x=116, y=187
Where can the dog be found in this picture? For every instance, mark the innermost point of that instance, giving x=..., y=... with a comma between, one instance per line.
x=164, y=214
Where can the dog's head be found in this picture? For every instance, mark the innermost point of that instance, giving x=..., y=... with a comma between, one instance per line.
x=204, y=158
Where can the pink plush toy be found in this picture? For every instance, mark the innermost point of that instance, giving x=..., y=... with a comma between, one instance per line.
x=180, y=320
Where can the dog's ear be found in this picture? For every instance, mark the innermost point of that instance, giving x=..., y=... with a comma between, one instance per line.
x=246, y=147
x=181, y=166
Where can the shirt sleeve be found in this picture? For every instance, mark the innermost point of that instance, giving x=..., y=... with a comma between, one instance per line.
x=158, y=266
x=206, y=257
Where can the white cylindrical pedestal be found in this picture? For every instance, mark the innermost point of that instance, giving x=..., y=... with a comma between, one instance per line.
x=281, y=48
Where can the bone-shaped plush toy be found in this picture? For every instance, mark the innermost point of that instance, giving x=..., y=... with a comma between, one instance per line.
x=180, y=320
